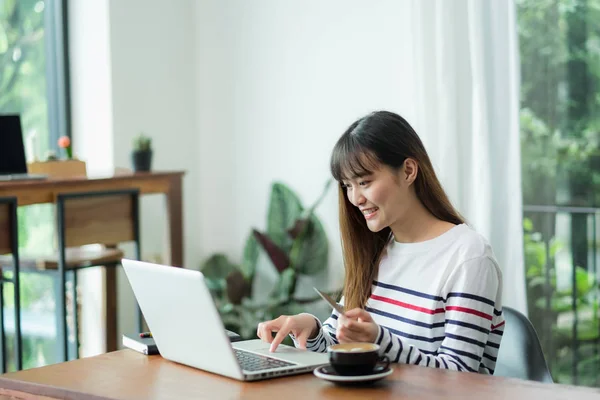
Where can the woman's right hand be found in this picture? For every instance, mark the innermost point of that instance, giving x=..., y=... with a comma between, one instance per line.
x=302, y=326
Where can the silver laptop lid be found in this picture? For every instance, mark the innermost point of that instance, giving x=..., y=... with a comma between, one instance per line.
x=182, y=317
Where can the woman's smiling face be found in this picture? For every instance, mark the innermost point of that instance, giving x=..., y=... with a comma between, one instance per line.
x=382, y=196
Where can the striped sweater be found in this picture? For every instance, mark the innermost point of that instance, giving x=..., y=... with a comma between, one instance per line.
x=437, y=303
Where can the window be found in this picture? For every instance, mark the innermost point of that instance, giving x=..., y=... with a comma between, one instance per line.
x=560, y=138
x=33, y=83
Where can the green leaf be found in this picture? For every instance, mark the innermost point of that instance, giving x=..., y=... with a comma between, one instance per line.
x=284, y=209
x=300, y=224
x=310, y=249
x=266, y=278
x=587, y=329
x=557, y=303
x=218, y=267
x=555, y=247
x=216, y=286
x=527, y=225
x=535, y=253
x=534, y=271
x=286, y=286
x=248, y=266
x=537, y=281
x=583, y=281
x=298, y=228
x=215, y=270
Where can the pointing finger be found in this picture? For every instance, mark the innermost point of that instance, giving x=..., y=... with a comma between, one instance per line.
x=283, y=332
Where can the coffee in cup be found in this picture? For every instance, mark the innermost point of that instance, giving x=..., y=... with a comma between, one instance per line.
x=356, y=358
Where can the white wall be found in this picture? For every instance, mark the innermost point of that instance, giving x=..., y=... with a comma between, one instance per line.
x=91, y=84
x=152, y=56
x=238, y=94
x=92, y=124
x=132, y=70
x=277, y=83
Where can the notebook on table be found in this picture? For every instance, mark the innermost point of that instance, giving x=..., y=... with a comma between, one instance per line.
x=144, y=345
x=147, y=345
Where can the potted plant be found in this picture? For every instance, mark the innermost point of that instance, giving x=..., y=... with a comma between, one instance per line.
x=275, y=266
x=141, y=157
x=56, y=166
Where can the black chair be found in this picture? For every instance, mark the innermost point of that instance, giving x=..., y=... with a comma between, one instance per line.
x=520, y=354
x=9, y=245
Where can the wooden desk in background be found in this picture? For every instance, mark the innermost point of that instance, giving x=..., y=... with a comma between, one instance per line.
x=169, y=183
x=126, y=374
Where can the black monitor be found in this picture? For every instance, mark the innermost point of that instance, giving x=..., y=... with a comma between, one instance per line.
x=12, y=150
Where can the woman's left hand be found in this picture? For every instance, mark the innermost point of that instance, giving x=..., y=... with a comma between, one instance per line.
x=356, y=325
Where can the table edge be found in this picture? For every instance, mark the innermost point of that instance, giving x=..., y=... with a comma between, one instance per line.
x=41, y=389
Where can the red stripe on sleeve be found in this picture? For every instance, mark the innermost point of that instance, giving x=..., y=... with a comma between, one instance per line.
x=498, y=326
x=469, y=311
x=407, y=305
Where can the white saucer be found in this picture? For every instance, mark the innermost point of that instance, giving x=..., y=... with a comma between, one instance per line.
x=326, y=372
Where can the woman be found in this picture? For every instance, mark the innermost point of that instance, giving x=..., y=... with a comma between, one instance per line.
x=418, y=281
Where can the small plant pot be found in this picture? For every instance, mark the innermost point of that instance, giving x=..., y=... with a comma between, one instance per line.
x=141, y=160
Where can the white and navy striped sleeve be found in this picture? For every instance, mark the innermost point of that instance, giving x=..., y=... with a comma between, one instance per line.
x=326, y=336
x=473, y=323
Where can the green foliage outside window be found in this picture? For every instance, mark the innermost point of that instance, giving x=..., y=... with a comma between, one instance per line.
x=23, y=91
x=559, y=44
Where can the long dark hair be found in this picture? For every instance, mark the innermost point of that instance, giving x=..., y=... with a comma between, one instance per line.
x=380, y=138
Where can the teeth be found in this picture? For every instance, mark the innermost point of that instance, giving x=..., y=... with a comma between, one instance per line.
x=370, y=211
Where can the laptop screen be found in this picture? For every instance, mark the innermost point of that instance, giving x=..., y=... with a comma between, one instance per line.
x=12, y=151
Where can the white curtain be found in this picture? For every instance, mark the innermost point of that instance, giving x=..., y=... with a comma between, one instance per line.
x=467, y=102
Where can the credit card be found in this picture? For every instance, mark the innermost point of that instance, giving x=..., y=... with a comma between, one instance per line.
x=331, y=302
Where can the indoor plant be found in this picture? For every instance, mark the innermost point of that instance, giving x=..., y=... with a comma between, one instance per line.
x=141, y=157
x=54, y=166
x=266, y=284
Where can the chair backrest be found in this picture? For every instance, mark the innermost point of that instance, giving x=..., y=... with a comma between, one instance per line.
x=7, y=224
x=98, y=217
x=520, y=354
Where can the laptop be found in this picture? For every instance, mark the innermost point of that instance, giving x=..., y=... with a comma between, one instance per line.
x=186, y=326
x=12, y=151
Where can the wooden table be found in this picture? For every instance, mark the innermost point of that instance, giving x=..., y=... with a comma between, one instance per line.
x=126, y=374
x=168, y=183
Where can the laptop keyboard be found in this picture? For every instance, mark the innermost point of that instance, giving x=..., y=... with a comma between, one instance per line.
x=255, y=362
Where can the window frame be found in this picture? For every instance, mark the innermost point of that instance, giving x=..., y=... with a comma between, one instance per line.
x=57, y=71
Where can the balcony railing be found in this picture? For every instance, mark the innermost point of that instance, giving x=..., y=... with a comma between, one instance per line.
x=561, y=257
